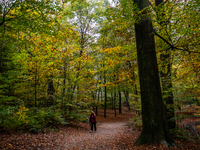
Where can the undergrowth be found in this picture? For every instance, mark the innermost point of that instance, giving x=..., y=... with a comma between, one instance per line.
x=36, y=120
x=135, y=122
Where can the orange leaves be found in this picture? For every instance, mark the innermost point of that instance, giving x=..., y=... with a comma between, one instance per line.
x=111, y=50
x=119, y=64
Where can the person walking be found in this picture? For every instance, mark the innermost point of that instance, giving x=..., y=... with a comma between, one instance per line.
x=93, y=121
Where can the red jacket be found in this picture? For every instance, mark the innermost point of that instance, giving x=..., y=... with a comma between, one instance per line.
x=92, y=118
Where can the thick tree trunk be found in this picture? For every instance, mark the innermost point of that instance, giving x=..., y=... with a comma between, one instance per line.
x=153, y=113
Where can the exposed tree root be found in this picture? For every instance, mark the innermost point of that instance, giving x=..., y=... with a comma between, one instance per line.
x=190, y=127
x=169, y=144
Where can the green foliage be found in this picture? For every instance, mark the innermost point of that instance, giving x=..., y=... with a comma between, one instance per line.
x=135, y=122
x=13, y=118
x=185, y=134
x=49, y=117
x=79, y=48
x=180, y=133
x=33, y=120
x=82, y=117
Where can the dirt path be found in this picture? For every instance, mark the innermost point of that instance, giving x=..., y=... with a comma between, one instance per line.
x=104, y=138
x=110, y=131
x=112, y=134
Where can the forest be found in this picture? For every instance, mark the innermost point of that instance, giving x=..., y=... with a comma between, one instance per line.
x=135, y=63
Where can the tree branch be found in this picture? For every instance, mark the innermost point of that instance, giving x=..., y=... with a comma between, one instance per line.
x=6, y=12
x=172, y=47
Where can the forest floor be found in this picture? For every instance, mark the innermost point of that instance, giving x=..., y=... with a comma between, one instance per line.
x=112, y=134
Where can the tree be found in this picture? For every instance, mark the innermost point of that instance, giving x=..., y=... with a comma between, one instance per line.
x=19, y=18
x=153, y=113
x=83, y=15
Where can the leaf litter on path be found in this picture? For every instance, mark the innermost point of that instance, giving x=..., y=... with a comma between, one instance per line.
x=112, y=134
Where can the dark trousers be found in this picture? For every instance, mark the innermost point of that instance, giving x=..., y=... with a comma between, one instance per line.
x=93, y=124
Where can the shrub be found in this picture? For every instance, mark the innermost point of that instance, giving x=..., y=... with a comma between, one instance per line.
x=44, y=118
x=34, y=120
x=135, y=122
x=13, y=118
x=79, y=117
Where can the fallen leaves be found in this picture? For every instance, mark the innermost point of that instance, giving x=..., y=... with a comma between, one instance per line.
x=112, y=133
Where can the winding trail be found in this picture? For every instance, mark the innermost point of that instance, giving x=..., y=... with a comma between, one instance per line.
x=104, y=138
x=109, y=135
x=112, y=134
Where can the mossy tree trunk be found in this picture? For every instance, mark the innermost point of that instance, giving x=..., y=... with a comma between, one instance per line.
x=153, y=113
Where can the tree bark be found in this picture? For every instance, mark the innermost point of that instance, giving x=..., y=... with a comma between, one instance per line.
x=36, y=86
x=112, y=99
x=126, y=94
x=153, y=113
x=105, y=96
x=120, y=101
x=50, y=92
x=64, y=82
x=115, y=103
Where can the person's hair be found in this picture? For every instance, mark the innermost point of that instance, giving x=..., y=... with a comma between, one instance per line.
x=92, y=112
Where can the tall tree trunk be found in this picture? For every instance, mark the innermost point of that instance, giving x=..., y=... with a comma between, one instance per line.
x=115, y=103
x=105, y=102
x=153, y=113
x=120, y=101
x=98, y=100
x=50, y=92
x=126, y=94
x=36, y=82
x=112, y=98
x=36, y=85
x=105, y=96
x=64, y=82
x=136, y=93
